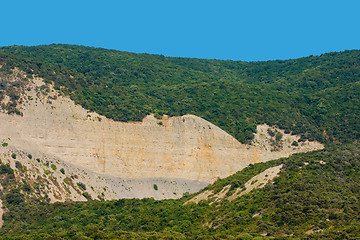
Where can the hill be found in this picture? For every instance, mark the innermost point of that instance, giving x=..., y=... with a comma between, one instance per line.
x=313, y=197
x=178, y=154
x=316, y=96
x=202, y=119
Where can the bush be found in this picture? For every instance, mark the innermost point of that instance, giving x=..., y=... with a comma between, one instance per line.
x=87, y=195
x=13, y=156
x=18, y=165
x=14, y=197
x=38, y=159
x=295, y=143
x=6, y=169
x=62, y=170
x=53, y=167
x=27, y=187
x=278, y=137
x=271, y=133
x=81, y=185
x=155, y=187
x=4, y=144
x=29, y=156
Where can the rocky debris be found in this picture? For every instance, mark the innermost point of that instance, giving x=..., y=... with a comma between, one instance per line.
x=51, y=179
x=258, y=181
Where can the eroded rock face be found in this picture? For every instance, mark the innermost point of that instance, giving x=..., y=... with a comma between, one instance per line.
x=186, y=147
x=54, y=180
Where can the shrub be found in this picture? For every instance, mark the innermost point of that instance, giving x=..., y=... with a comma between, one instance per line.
x=186, y=194
x=14, y=197
x=18, y=165
x=4, y=144
x=47, y=171
x=27, y=187
x=271, y=133
x=62, y=170
x=53, y=167
x=29, y=156
x=38, y=159
x=87, y=195
x=6, y=169
x=295, y=143
x=81, y=185
x=155, y=187
x=278, y=137
x=13, y=156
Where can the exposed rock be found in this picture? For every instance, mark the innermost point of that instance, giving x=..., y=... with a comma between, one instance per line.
x=203, y=196
x=314, y=230
x=178, y=154
x=258, y=181
x=206, y=195
x=57, y=181
x=186, y=147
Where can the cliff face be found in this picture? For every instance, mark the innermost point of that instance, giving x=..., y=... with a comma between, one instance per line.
x=186, y=147
x=54, y=180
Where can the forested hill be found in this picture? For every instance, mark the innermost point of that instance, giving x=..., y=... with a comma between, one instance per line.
x=314, y=197
x=317, y=96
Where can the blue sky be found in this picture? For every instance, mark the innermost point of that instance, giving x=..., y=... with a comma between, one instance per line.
x=250, y=30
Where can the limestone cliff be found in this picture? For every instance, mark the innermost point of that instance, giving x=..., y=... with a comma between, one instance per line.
x=186, y=147
x=51, y=179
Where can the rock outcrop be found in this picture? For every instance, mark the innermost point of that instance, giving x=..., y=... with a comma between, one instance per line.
x=186, y=147
x=51, y=179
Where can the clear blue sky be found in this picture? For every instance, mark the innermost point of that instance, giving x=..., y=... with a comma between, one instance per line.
x=239, y=30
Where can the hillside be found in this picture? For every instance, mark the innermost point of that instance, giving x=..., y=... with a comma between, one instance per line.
x=119, y=159
x=93, y=141
x=316, y=97
x=315, y=196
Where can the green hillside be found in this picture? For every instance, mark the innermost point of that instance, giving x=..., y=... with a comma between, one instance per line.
x=317, y=96
x=322, y=196
x=316, y=195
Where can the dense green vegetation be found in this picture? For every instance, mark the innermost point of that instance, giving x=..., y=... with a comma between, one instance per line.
x=322, y=196
x=317, y=96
